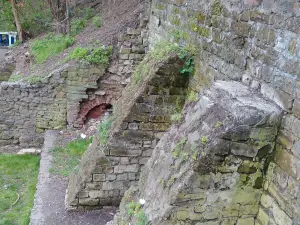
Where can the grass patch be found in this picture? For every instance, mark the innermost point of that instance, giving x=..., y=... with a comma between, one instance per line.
x=18, y=175
x=49, y=46
x=32, y=79
x=65, y=159
x=98, y=56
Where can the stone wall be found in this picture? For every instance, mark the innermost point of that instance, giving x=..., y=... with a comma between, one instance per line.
x=27, y=110
x=111, y=164
x=64, y=98
x=256, y=42
x=209, y=169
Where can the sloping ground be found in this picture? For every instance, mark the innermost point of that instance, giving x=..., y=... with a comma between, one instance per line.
x=210, y=168
x=116, y=17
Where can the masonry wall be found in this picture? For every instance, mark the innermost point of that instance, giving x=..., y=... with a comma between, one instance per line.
x=256, y=42
x=112, y=164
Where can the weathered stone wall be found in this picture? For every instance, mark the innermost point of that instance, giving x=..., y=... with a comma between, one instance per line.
x=65, y=96
x=28, y=110
x=141, y=115
x=210, y=168
x=256, y=42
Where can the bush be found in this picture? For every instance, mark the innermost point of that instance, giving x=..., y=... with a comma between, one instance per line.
x=49, y=46
x=77, y=25
x=98, y=56
x=97, y=21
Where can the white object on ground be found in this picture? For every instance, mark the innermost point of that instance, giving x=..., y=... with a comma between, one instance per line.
x=33, y=151
x=83, y=136
x=142, y=201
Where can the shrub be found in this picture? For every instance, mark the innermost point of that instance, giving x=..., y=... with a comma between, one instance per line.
x=98, y=56
x=49, y=46
x=77, y=25
x=97, y=21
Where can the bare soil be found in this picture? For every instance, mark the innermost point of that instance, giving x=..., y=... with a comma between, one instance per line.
x=116, y=16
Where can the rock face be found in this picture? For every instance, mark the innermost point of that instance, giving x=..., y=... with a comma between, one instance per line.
x=256, y=42
x=114, y=161
x=210, y=168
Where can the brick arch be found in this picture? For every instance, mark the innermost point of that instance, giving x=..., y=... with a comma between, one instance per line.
x=87, y=106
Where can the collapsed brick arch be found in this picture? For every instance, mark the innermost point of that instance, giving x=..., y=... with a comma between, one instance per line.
x=102, y=102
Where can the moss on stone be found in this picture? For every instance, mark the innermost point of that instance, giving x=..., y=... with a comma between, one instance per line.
x=216, y=8
x=175, y=20
x=161, y=6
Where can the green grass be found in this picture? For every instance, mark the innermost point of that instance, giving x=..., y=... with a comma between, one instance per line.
x=97, y=56
x=65, y=159
x=50, y=45
x=18, y=175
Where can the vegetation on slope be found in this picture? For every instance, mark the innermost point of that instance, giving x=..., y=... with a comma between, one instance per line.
x=18, y=179
x=49, y=46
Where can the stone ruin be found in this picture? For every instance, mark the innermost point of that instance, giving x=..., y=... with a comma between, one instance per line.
x=233, y=158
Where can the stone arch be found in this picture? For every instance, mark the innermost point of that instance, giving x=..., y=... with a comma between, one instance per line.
x=89, y=105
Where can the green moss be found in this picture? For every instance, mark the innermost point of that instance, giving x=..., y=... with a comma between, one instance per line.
x=176, y=117
x=175, y=20
x=192, y=96
x=195, y=152
x=178, y=35
x=217, y=8
x=104, y=130
x=204, y=140
x=135, y=209
x=218, y=124
x=176, y=10
x=161, y=6
x=200, y=18
x=171, y=181
x=204, y=32
x=178, y=147
x=141, y=70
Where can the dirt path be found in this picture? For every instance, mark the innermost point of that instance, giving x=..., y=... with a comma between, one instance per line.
x=50, y=196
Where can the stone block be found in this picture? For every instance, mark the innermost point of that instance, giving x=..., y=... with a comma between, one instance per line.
x=98, y=194
x=123, y=176
x=88, y=202
x=263, y=217
x=245, y=221
x=296, y=108
x=98, y=177
x=124, y=50
x=126, y=168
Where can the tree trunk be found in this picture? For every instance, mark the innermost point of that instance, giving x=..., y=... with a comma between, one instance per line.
x=60, y=15
x=17, y=20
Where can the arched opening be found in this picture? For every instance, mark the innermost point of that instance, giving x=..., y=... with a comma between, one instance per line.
x=98, y=111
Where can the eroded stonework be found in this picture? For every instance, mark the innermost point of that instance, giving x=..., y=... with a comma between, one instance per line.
x=210, y=168
x=143, y=113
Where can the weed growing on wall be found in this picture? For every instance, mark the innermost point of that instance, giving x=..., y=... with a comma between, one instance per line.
x=104, y=130
x=97, y=56
x=135, y=209
x=159, y=53
x=49, y=46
